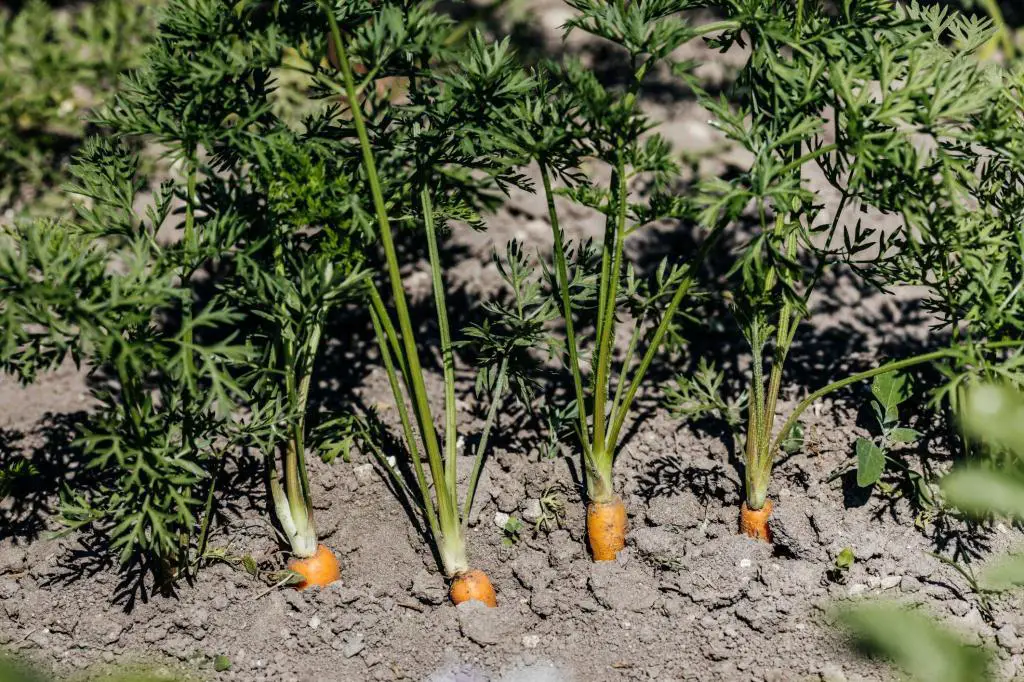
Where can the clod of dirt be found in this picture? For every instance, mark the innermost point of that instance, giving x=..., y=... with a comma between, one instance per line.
x=682, y=511
x=532, y=571
x=563, y=548
x=620, y=590
x=792, y=532
x=659, y=545
x=12, y=560
x=428, y=587
x=482, y=624
x=543, y=603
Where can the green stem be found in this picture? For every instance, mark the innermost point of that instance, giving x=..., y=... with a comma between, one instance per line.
x=606, y=331
x=659, y=334
x=1003, y=34
x=809, y=156
x=893, y=366
x=481, y=447
x=387, y=327
x=187, y=315
x=204, y=529
x=627, y=362
x=410, y=436
x=189, y=246
x=447, y=508
x=562, y=275
x=447, y=354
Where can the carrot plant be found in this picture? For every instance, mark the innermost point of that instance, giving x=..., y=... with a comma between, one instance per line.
x=428, y=158
x=851, y=92
x=209, y=331
x=578, y=132
x=100, y=290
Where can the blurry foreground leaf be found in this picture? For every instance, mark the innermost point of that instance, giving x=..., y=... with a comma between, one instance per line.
x=979, y=492
x=915, y=643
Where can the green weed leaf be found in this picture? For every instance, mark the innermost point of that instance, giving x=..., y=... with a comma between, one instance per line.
x=903, y=434
x=890, y=390
x=870, y=462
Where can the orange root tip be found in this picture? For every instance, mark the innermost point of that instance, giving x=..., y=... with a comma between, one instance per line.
x=754, y=522
x=606, y=529
x=473, y=585
x=319, y=570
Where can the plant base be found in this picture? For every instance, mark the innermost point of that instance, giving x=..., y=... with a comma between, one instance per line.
x=754, y=522
x=606, y=528
x=473, y=585
x=319, y=570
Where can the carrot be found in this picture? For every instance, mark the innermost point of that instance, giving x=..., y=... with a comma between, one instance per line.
x=319, y=570
x=754, y=522
x=606, y=528
x=473, y=585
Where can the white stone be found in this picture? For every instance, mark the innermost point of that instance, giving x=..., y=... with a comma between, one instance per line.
x=531, y=641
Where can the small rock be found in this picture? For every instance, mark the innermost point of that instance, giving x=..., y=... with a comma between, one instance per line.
x=500, y=519
x=112, y=635
x=910, y=586
x=220, y=602
x=532, y=511
x=793, y=531
x=482, y=624
x=428, y=587
x=891, y=581
x=363, y=473
x=314, y=622
x=531, y=641
x=353, y=645
x=874, y=582
x=857, y=589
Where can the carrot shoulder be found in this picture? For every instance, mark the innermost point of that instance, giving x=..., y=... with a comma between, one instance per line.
x=319, y=570
x=754, y=522
x=473, y=585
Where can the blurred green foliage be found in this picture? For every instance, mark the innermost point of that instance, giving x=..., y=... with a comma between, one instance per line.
x=13, y=669
x=57, y=65
x=994, y=415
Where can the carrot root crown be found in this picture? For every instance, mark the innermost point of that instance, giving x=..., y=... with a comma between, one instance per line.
x=754, y=522
x=473, y=585
x=606, y=528
x=319, y=570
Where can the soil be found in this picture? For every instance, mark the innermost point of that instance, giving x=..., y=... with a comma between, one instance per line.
x=689, y=599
